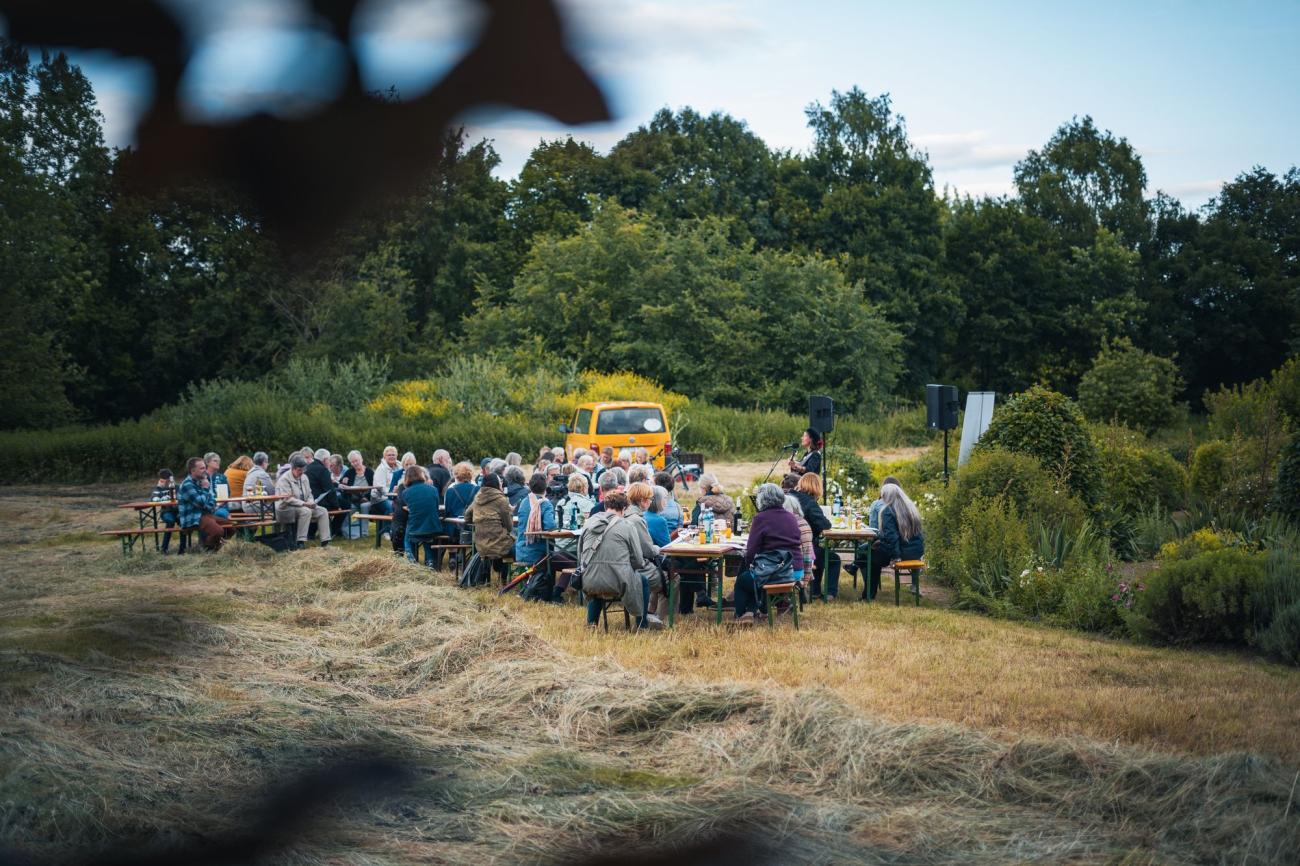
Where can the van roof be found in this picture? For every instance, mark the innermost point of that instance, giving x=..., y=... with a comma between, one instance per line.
x=621, y=404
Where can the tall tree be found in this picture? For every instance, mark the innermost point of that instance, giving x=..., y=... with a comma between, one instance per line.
x=552, y=190
x=869, y=201
x=687, y=166
x=1085, y=179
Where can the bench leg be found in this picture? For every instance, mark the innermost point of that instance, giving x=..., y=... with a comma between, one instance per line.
x=771, y=611
x=794, y=607
x=897, y=588
x=672, y=597
x=916, y=587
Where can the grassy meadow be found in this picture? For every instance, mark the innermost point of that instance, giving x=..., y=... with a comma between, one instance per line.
x=147, y=698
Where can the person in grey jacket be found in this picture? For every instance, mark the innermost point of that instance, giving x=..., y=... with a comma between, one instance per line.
x=259, y=473
x=300, y=508
x=609, y=554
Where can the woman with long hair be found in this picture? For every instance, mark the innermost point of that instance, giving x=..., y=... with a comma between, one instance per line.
x=900, y=535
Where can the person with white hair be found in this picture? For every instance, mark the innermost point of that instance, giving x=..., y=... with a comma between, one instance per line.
x=516, y=485
x=320, y=479
x=298, y=508
x=439, y=469
x=383, y=481
x=806, y=543
x=773, y=552
x=900, y=536
x=639, y=472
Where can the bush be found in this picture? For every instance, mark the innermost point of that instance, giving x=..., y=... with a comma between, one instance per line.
x=1210, y=465
x=1136, y=477
x=1282, y=637
x=989, y=545
x=851, y=472
x=1021, y=479
x=1210, y=596
x=1152, y=528
x=1131, y=387
x=1286, y=491
x=1049, y=427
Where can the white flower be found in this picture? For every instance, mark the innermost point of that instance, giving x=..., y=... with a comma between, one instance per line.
x=1024, y=573
x=1040, y=569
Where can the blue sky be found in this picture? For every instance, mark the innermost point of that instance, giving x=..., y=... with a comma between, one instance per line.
x=1203, y=90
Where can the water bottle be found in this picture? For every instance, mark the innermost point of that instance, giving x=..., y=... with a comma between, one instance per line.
x=706, y=525
x=837, y=505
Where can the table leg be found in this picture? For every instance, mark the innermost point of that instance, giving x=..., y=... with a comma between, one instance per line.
x=828, y=547
x=672, y=591
x=721, y=571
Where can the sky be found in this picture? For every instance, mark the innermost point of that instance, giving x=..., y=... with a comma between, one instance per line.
x=1203, y=90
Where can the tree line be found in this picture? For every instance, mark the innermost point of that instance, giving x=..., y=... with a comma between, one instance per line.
x=692, y=252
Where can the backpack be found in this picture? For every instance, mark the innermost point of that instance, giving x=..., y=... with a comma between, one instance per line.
x=773, y=566
x=475, y=572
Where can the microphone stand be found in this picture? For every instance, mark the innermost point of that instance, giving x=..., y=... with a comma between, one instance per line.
x=768, y=477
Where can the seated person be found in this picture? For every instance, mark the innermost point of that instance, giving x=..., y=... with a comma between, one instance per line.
x=536, y=514
x=639, y=498
x=236, y=473
x=805, y=540
x=873, y=521
x=218, y=483
x=322, y=484
x=421, y=499
x=713, y=498
x=672, y=510
x=571, y=513
x=383, y=481
x=300, y=509
x=197, y=505
x=808, y=491
x=612, y=563
x=460, y=493
x=165, y=491
x=258, y=479
x=517, y=485
x=494, y=523
x=774, y=529
x=900, y=536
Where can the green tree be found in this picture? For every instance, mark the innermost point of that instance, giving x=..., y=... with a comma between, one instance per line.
x=1085, y=179
x=688, y=166
x=1243, y=289
x=1130, y=386
x=696, y=312
x=551, y=193
x=868, y=200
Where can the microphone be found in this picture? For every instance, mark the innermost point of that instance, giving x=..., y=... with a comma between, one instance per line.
x=793, y=446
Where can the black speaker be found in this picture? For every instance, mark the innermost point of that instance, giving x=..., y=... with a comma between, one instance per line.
x=941, y=407
x=821, y=414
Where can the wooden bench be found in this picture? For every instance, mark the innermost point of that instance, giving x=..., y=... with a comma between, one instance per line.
x=913, y=567
x=607, y=602
x=129, y=537
x=776, y=590
x=380, y=521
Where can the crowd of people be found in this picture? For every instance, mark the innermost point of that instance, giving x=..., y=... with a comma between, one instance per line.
x=626, y=511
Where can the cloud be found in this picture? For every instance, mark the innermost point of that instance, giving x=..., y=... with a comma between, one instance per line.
x=615, y=35
x=953, y=151
x=1195, y=189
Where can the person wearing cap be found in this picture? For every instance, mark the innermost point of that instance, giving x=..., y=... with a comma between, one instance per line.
x=300, y=508
x=811, y=442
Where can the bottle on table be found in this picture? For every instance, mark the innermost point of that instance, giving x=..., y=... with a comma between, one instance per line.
x=837, y=505
x=706, y=526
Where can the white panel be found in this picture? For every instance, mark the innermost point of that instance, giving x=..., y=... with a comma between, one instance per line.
x=979, y=412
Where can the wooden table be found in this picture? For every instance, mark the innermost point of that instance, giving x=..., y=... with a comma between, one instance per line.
x=834, y=541
x=712, y=554
x=147, y=510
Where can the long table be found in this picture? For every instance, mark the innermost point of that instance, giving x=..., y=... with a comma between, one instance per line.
x=146, y=511
x=845, y=540
x=712, y=557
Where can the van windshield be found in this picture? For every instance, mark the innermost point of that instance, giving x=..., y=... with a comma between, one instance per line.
x=629, y=421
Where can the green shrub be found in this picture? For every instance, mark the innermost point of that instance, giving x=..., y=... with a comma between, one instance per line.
x=852, y=473
x=1210, y=465
x=1136, y=477
x=1089, y=599
x=1282, y=637
x=1049, y=427
x=989, y=545
x=1131, y=387
x=1152, y=528
x=1286, y=491
x=1022, y=480
x=1210, y=596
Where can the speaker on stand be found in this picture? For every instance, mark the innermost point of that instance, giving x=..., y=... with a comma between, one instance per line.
x=941, y=405
x=821, y=417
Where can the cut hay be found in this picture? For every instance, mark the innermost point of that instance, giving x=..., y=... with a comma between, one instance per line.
x=525, y=754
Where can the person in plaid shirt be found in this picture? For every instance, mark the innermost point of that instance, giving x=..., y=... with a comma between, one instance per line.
x=198, y=505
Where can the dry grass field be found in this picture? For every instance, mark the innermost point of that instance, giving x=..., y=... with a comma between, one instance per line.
x=146, y=699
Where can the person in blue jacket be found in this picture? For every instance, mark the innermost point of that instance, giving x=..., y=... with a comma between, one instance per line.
x=900, y=535
x=460, y=494
x=421, y=500
x=536, y=513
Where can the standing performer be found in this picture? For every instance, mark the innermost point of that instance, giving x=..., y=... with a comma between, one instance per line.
x=812, y=458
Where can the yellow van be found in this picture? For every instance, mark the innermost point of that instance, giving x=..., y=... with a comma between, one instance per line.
x=623, y=424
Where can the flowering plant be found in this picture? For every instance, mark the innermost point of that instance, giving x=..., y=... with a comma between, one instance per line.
x=1126, y=592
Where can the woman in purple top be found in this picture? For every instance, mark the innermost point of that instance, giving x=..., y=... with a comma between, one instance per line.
x=772, y=529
